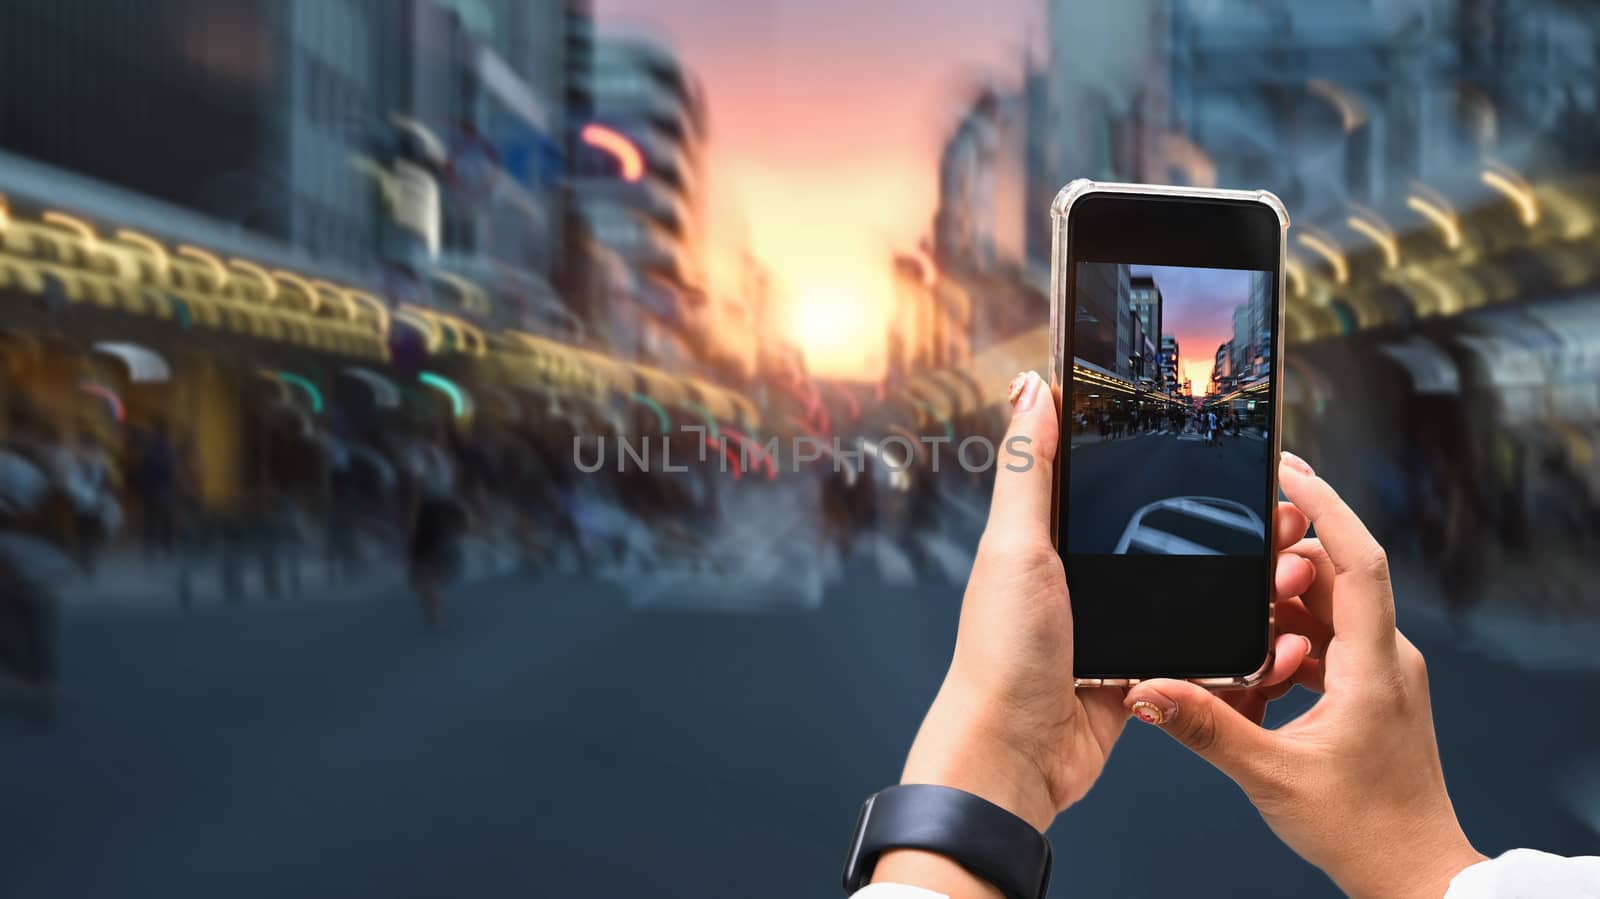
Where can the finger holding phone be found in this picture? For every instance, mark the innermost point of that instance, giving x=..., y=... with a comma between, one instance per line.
x=1187, y=576
x=1354, y=785
x=1007, y=724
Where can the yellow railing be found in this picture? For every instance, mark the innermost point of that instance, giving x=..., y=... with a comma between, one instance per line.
x=194, y=287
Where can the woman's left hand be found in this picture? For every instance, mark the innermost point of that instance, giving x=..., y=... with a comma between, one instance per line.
x=1007, y=724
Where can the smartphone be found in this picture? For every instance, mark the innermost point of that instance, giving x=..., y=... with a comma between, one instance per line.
x=1166, y=359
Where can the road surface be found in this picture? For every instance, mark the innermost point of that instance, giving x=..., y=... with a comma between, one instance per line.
x=553, y=741
x=1112, y=480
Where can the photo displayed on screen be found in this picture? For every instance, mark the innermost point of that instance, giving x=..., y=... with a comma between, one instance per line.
x=1169, y=411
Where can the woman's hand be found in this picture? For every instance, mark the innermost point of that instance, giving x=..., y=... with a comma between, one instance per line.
x=1007, y=724
x=1354, y=785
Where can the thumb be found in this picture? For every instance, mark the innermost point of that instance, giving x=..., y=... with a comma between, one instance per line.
x=1021, y=506
x=1200, y=720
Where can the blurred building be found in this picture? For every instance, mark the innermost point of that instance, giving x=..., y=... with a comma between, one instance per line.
x=1261, y=323
x=469, y=151
x=1222, y=368
x=640, y=182
x=981, y=222
x=359, y=132
x=741, y=330
x=973, y=224
x=224, y=128
x=929, y=326
x=1329, y=104
x=1324, y=103
x=244, y=109
x=1243, y=342
x=1104, y=108
x=1040, y=173
x=332, y=160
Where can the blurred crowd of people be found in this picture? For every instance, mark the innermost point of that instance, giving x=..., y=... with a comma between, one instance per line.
x=1497, y=502
x=98, y=510
x=1117, y=422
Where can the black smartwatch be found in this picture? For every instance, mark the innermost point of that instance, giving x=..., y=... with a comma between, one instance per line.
x=975, y=833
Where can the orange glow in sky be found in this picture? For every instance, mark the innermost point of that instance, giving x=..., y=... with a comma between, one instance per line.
x=1197, y=370
x=1198, y=309
x=826, y=119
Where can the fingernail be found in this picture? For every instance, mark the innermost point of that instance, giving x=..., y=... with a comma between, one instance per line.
x=1307, y=641
x=1018, y=381
x=1298, y=464
x=1023, y=390
x=1157, y=710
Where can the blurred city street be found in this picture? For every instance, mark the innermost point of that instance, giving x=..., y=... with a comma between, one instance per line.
x=492, y=447
x=550, y=742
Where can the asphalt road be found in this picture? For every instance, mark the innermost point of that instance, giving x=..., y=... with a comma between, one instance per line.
x=552, y=742
x=1112, y=480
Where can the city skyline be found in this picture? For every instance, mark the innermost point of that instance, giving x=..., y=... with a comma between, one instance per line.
x=824, y=171
x=1198, y=308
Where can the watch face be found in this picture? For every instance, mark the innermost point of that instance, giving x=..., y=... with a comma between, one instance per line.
x=855, y=877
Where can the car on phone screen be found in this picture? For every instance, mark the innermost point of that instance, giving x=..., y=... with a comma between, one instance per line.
x=1193, y=526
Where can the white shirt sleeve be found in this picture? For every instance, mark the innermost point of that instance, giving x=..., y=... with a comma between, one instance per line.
x=895, y=891
x=1528, y=874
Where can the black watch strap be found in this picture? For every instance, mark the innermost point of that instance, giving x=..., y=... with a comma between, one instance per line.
x=982, y=837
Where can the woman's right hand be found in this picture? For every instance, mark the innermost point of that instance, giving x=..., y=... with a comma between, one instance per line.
x=1354, y=785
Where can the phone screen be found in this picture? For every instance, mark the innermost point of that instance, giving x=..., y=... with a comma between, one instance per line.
x=1169, y=443
x=1169, y=411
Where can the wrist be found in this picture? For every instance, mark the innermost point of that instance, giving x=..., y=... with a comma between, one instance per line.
x=957, y=746
x=1412, y=873
x=931, y=871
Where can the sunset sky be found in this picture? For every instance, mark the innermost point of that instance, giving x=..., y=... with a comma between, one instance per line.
x=1197, y=307
x=826, y=119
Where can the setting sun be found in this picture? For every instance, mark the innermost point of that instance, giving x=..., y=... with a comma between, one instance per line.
x=1198, y=371
x=841, y=333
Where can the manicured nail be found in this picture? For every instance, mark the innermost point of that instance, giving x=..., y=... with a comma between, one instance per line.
x=1018, y=381
x=1151, y=713
x=1023, y=390
x=1298, y=464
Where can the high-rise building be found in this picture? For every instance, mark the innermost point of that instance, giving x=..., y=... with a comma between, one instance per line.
x=1328, y=103
x=268, y=98
x=1106, y=99
x=1100, y=317
x=1127, y=325
x=1149, y=368
x=1040, y=175
x=1145, y=297
x=979, y=221
x=1169, y=363
x=980, y=224
x=1222, y=368
x=476, y=119
x=641, y=190
x=1261, y=285
x=367, y=136
x=1243, y=344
